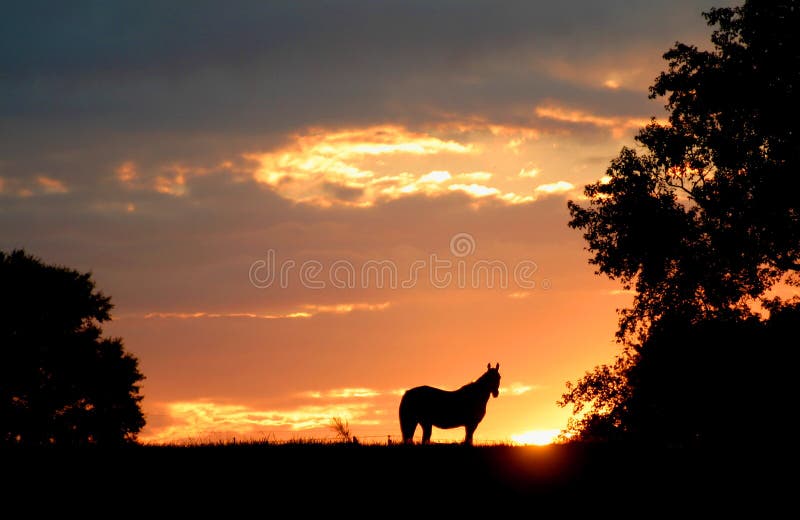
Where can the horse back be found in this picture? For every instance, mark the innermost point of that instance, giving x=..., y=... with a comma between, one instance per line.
x=439, y=407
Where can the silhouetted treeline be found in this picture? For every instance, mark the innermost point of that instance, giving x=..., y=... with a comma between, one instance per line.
x=61, y=381
x=701, y=223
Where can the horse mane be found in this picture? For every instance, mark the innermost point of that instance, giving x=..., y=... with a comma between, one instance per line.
x=480, y=381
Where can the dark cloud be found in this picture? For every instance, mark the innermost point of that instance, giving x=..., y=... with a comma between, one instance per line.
x=342, y=193
x=266, y=66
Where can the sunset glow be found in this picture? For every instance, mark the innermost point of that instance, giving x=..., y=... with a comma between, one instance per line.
x=299, y=214
x=537, y=437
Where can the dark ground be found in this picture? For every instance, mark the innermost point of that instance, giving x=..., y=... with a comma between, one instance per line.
x=379, y=481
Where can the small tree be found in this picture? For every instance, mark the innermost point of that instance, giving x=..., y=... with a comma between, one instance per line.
x=341, y=427
x=61, y=382
x=702, y=222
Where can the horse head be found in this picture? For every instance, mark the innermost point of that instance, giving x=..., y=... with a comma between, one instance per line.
x=492, y=379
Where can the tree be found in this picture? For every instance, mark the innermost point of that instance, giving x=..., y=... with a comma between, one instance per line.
x=704, y=219
x=61, y=382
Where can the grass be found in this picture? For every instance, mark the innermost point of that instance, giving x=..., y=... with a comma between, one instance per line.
x=334, y=473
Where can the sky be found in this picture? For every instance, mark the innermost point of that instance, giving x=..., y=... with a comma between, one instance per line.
x=302, y=209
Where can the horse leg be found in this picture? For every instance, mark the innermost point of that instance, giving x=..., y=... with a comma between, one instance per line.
x=427, y=430
x=408, y=426
x=470, y=430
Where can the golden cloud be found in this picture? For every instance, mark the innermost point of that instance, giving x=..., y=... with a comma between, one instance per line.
x=344, y=393
x=206, y=420
x=319, y=162
x=529, y=173
x=616, y=124
x=476, y=176
x=348, y=167
x=555, y=187
x=476, y=190
x=517, y=389
x=305, y=311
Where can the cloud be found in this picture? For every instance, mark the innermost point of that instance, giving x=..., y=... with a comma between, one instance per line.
x=363, y=166
x=436, y=176
x=476, y=176
x=555, y=187
x=50, y=185
x=620, y=292
x=207, y=420
x=519, y=295
x=342, y=393
x=126, y=172
x=528, y=173
x=319, y=159
x=475, y=190
x=517, y=389
x=618, y=125
x=36, y=186
x=190, y=85
x=307, y=311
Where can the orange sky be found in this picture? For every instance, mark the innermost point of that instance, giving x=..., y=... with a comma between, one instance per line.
x=174, y=156
x=279, y=360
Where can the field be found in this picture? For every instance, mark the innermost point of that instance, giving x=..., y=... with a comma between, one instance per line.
x=355, y=480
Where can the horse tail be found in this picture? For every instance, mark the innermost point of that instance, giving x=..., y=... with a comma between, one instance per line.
x=408, y=419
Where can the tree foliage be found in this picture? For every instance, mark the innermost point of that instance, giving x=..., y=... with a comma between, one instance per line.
x=703, y=220
x=61, y=382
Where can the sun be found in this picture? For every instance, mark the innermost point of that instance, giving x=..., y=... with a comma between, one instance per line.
x=536, y=437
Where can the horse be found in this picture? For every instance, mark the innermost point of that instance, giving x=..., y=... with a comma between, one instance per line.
x=429, y=406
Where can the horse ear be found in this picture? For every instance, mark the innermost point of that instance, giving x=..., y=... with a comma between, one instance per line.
x=488, y=366
x=497, y=367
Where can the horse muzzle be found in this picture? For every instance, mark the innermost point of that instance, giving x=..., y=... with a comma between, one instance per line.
x=495, y=393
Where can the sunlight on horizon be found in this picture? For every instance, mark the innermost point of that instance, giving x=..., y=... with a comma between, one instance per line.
x=536, y=437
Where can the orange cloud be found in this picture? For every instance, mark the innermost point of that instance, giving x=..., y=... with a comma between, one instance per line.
x=555, y=187
x=306, y=311
x=171, y=179
x=517, y=389
x=475, y=176
x=343, y=393
x=50, y=185
x=174, y=183
x=478, y=124
x=475, y=190
x=126, y=172
x=348, y=167
x=519, y=295
x=203, y=420
x=313, y=164
x=436, y=176
x=529, y=173
x=617, y=125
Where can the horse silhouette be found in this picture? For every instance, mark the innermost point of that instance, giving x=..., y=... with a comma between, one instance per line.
x=429, y=406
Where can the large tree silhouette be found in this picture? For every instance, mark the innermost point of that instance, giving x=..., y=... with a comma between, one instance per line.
x=700, y=223
x=61, y=382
